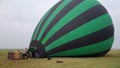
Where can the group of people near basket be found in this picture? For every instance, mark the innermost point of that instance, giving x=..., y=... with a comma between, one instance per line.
x=26, y=54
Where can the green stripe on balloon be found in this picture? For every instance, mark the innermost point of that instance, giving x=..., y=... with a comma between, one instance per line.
x=59, y=8
x=84, y=30
x=70, y=16
x=90, y=49
x=44, y=21
x=38, y=26
x=60, y=15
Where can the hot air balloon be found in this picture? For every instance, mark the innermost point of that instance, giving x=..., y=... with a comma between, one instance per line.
x=73, y=28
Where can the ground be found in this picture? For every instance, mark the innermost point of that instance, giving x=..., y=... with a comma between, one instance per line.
x=111, y=60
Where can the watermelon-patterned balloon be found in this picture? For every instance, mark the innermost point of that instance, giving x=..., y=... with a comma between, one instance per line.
x=74, y=28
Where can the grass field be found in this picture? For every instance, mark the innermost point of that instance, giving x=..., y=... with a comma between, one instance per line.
x=111, y=60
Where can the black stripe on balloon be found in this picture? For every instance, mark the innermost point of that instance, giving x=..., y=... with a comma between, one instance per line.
x=64, y=11
x=90, y=39
x=78, y=21
x=44, y=21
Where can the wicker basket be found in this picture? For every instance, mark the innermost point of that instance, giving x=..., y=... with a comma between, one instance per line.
x=14, y=55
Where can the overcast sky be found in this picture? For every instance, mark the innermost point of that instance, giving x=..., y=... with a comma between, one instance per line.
x=18, y=19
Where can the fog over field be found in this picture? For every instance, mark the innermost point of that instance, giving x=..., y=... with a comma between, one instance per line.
x=18, y=19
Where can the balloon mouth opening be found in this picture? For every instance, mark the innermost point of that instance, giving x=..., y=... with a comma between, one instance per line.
x=37, y=49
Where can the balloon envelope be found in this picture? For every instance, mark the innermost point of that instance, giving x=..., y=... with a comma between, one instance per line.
x=74, y=28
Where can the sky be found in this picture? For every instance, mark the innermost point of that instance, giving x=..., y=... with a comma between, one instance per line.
x=18, y=19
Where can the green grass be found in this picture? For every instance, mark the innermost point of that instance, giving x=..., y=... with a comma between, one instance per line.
x=111, y=60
